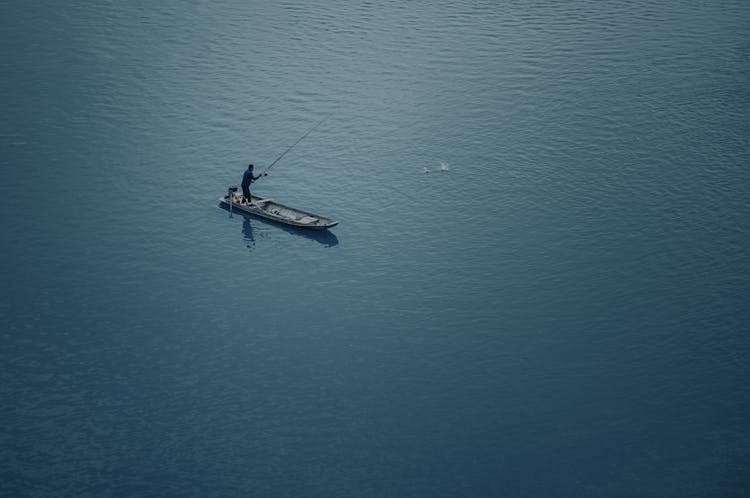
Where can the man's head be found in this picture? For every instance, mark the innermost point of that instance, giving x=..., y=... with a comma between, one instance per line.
x=250, y=166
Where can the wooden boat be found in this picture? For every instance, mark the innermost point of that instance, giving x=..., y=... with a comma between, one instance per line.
x=271, y=210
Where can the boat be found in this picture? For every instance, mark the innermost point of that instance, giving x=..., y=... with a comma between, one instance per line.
x=272, y=210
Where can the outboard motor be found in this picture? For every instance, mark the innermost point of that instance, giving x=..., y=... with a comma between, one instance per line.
x=230, y=196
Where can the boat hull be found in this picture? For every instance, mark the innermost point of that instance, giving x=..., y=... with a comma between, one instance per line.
x=270, y=210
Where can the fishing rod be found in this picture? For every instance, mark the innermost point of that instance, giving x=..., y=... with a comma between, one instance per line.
x=298, y=141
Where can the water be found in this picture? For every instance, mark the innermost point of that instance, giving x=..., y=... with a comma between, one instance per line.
x=537, y=287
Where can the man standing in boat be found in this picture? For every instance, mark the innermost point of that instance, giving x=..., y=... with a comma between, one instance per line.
x=247, y=179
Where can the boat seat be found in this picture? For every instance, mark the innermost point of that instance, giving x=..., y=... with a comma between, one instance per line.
x=307, y=219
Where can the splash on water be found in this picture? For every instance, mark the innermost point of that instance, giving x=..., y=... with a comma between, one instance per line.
x=443, y=167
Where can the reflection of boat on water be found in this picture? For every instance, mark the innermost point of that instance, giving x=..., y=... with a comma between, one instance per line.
x=272, y=210
x=247, y=231
x=324, y=237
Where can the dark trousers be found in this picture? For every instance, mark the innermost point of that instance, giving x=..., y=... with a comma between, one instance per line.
x=246, y=192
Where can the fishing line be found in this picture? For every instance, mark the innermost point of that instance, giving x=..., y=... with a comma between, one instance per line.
x=298, y=141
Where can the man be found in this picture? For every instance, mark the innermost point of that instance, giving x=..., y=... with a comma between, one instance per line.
x=247, y=179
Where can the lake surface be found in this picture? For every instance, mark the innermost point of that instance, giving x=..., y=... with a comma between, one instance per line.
x=538, y=286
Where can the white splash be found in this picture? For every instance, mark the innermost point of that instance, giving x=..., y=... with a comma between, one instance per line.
x=443, y=167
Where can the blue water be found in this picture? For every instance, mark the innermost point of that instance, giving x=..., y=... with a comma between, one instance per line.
x=538, y=286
